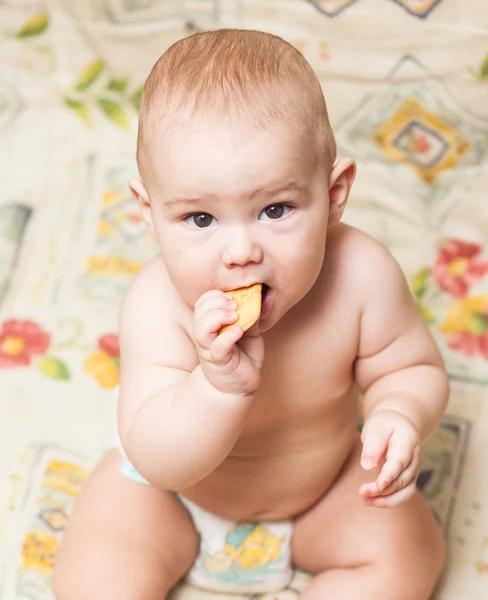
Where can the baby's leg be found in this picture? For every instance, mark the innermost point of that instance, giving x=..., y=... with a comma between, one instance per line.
x=124, y=541
x=365, y=552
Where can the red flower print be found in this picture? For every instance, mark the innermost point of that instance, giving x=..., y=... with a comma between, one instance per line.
x=110, y=344
x=19, y=340
x=458, y=266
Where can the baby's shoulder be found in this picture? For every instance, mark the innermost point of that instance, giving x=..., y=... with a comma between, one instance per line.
x=353, y=246
x=360, y=261
x=151, y=296
x=351, y=249
x=151, y=284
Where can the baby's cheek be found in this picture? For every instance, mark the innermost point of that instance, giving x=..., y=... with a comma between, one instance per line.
x=309, y=259
x=188, y=277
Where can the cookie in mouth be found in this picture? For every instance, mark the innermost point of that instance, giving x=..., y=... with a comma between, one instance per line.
x=248, y=306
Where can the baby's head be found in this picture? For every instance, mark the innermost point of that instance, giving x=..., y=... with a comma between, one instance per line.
x=237, y=160
x=235, y=78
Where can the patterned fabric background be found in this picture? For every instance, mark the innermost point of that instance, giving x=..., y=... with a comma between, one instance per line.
x=407, y=87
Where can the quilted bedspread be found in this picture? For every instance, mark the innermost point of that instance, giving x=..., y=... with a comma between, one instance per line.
x=407, y=86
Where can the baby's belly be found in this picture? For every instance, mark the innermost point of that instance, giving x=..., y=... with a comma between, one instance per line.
x=275, y=485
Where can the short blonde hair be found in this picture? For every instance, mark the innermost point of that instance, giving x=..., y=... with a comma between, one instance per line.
x=231, y=74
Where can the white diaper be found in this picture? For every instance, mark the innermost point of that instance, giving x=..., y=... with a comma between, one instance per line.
x=240, y=557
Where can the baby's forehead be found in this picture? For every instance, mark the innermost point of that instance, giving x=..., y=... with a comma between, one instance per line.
x=213, y=132
x=163, y=129
x=207, y=158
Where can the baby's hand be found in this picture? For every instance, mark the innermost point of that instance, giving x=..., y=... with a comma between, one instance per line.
x=231, y=361
x=391, y=439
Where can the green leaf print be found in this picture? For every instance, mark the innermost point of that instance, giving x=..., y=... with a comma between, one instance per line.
x=54, y=368
x=118, y=85
x=79, y=108
x=477, y=324
x=34, y=26
x=114, y=112
x=427, y=314
x=420, y=282
x=89, y=74
x=484, y=69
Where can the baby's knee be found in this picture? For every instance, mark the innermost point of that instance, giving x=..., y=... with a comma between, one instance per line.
x=416, y=564
x=71, y=582
x=70, y=579
x=432, y=559
x=75, y=579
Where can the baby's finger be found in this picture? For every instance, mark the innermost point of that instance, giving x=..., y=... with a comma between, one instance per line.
x=398, y=458
x=222, y=347
x=402, y=481
x=211, y=300
x=207, y=295
x=209, y=324
x=393, y=499
x=375, y=437
x=391, y=470
x=369, y=489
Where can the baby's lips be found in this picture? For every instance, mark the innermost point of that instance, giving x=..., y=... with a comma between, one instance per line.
x=248, y=306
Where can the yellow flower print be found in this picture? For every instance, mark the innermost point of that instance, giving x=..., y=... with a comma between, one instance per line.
x=102, y=366
x=466, y=325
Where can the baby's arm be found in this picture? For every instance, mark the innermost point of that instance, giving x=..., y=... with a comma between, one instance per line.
x=174, y=425
x=401, y=374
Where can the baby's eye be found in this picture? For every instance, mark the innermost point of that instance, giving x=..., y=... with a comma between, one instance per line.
x=275, y=211
x=200, y=220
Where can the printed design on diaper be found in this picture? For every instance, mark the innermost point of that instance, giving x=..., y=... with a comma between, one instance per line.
x=251, y=551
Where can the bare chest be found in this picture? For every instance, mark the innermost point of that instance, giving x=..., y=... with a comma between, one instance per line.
x=307, y=377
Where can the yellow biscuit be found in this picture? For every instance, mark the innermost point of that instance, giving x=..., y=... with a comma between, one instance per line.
x=249, y=306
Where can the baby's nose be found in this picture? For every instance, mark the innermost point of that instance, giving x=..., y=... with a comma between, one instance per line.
x=241, y=249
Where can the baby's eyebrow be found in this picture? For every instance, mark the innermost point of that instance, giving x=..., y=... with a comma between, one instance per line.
x=290, y=188
x=176, y=201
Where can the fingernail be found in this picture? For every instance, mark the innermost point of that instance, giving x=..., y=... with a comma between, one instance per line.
x=367, y=463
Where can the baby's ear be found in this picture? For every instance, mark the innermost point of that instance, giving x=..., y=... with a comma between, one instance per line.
x=340, y=182
x=140, y=195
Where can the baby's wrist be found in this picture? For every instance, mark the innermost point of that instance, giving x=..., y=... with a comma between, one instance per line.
x=404, y=405
x=221, y=392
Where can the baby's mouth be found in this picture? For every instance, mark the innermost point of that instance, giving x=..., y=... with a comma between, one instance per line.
x=265, y=299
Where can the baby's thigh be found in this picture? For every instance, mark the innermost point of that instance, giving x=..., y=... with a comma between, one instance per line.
x=341, y=532
x=124, y=540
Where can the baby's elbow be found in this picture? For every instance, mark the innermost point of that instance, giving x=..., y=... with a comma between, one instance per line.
x=445, y=388
x=440, y=388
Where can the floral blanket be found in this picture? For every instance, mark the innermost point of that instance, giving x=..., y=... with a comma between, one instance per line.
x=407, y=87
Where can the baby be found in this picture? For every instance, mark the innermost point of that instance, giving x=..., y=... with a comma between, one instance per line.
x=239, y=453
